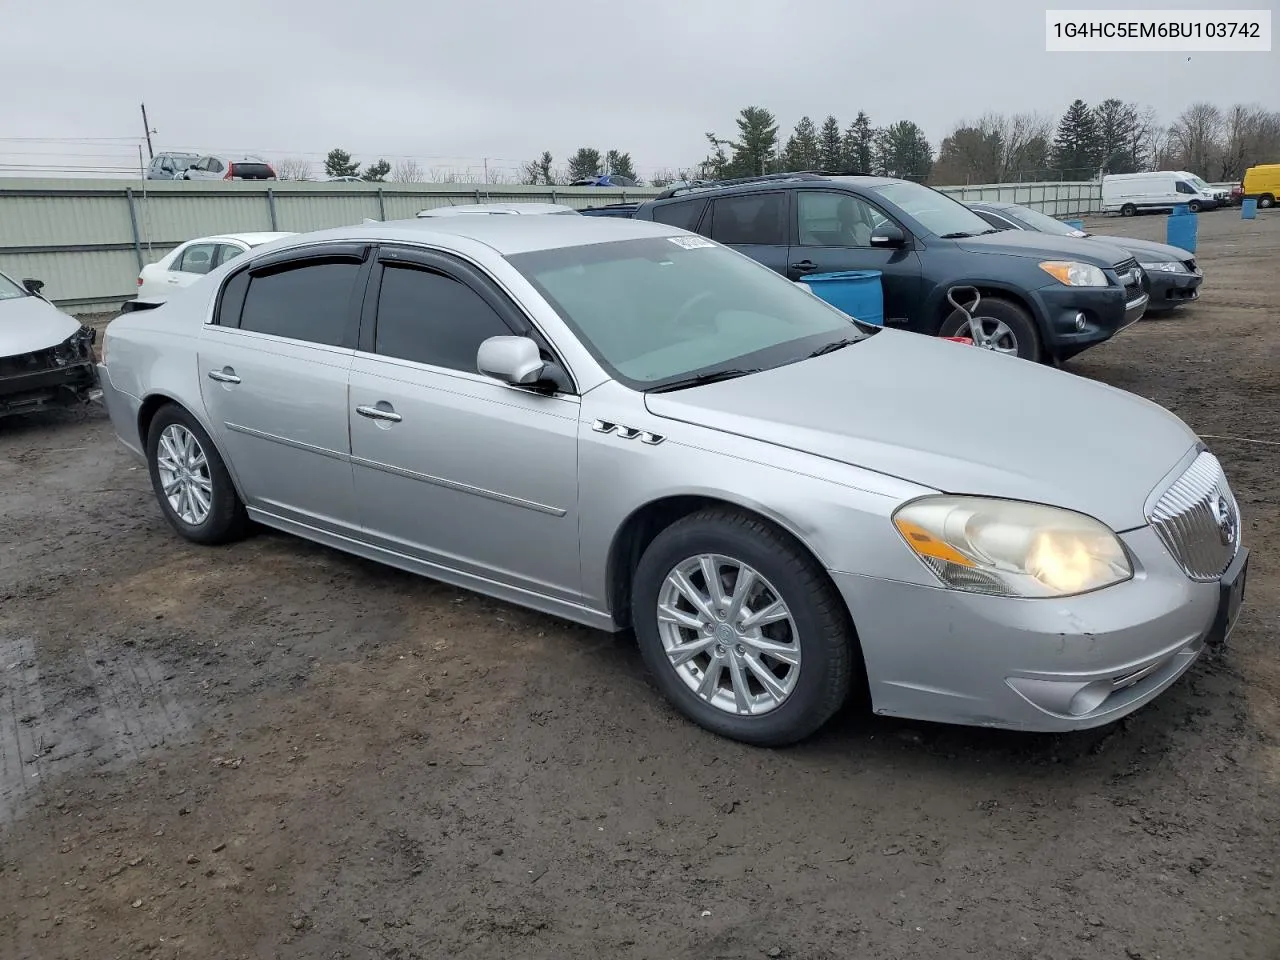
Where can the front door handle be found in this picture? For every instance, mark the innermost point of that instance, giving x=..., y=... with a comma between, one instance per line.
x=379, y=413
x=225, y=375
x=804, y=266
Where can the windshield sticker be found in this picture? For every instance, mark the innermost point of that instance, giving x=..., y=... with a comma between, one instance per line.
x=691, y=243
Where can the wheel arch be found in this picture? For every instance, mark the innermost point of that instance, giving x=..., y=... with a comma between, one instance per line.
x=990, y=290
x=154, y=402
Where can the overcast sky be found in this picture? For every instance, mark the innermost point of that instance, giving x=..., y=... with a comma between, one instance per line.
x=451, y=83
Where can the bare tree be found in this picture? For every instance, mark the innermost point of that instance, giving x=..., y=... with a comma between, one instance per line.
x=1251, y=134
x=293, y=168
x=406, y=171
x=1196, y=138
x=443, y=175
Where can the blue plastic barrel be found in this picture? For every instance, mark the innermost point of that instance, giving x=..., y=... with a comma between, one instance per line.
x=1074, y=224
x=1248, y=209
x=858, y=293
x=1180, y=229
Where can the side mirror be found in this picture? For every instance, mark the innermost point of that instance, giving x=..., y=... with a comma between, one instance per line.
x=33, y=285
x=514, y=360
x=888, y=235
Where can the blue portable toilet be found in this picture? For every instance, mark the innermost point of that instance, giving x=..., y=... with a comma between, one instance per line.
x=1075, y=224
x=859, y=293
x=1180, y=228
x=1248, y=209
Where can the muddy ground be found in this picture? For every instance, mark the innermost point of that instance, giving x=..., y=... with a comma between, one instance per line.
x=275, y=750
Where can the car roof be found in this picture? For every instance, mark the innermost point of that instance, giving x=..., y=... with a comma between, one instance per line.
x=458, y=209
x=505, y=235
x=253, y=239
x=776, y=182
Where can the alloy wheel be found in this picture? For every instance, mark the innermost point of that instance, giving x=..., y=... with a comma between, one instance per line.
x=184, y=474
x=992, y=334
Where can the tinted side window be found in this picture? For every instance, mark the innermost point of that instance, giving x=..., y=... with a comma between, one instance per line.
x=683, y=214
x=835, y=219
x=309, y=302
x=428, y=317
x=756, y=218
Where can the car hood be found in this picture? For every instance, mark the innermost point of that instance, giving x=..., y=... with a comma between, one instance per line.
x=29, y=323
x=1147, y=251
x=954, y=418
x=1027, y=243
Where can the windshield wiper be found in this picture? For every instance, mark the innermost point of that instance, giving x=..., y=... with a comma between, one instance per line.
x=699, y=379
x=958, y=235
x=833, y=346
x=992, y=230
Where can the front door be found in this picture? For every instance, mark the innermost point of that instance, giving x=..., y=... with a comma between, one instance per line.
x=833, y=233
x=451, y=467
x=273, y=374
x=751, y=223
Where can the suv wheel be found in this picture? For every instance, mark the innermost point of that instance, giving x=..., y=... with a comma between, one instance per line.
x=999, y=326
x=741, y=629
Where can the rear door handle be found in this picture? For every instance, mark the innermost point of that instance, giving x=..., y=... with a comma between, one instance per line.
x=225, y=375
x=804, y=266
x=379, y=413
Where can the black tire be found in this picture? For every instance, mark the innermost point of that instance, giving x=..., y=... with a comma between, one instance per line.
x=1128, y=210
x=226, y=520
x=1266, y=201
x=1019, y=322
x=825, y=635
x=1194, y=206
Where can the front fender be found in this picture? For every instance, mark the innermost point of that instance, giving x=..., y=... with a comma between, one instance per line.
x=937, y=308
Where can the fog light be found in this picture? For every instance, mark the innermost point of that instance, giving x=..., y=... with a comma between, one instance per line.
x=1089, y=697
x=1080, y=321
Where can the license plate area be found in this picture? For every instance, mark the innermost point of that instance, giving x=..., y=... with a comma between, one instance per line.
x=1230, y=600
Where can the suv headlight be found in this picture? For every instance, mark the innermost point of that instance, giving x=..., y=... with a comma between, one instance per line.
x=1075, y=274
x=1010, y=548
x=1164, y=266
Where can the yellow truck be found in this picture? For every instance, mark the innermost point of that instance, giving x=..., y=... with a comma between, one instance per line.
x=1262, y=183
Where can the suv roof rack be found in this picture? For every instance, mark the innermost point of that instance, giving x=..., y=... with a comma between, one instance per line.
x=738, y=181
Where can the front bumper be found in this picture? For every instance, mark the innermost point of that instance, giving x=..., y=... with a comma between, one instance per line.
x=56, y=376
x=1168, y=290
x=1034, y=665
x=1106, y=311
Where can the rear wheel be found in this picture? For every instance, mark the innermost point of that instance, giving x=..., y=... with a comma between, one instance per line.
x=1128, y=210
x=1266, y=200
x=190, y=480
x=999, y=326
x=741, y=629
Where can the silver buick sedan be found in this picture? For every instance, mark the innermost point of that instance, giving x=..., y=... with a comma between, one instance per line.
x=630, y=426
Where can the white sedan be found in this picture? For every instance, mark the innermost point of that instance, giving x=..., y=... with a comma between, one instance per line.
x=188, y=262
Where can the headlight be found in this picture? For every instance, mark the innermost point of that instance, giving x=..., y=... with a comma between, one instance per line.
x=1011, y=549
x=1074, y=274
x=1164, y=266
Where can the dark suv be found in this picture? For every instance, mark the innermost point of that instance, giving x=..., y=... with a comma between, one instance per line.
x=1042, y=297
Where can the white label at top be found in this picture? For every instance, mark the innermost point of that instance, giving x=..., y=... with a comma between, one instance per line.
x=1157, y=31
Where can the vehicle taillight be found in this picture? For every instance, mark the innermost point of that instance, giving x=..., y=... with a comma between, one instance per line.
x=231, y=172
x=139, y=280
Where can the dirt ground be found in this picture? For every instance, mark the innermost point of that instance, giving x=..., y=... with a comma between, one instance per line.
x=273, y=750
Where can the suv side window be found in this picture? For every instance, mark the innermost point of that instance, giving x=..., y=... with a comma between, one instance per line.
x=827, y=219
x=431, y=318
x=683, y=214
x=196, y=259
x=310, y=301
x=755, y=218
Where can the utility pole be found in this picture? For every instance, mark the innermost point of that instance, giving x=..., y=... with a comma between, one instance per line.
x=147, y=129
x=486, y=169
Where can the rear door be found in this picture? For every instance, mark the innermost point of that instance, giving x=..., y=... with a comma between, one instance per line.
x=751, y=223
x=273, y=372
x=832, y=232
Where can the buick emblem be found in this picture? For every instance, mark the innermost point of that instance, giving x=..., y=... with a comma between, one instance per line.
x=1227, y=521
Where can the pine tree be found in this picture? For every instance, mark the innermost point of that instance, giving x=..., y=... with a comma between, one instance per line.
x=339, y=164
x=756, y=148
x=802, y=151
x=584, y=163
x=376, y=172
x=1117, y=123
x=857, y=146
x=619, y=163
x=1077, y=152
x=830, y=147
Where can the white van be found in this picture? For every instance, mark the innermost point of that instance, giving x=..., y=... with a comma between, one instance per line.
x=1129, y=193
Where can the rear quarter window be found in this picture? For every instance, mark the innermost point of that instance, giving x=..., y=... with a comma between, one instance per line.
x=683, y=214
x=252, y=171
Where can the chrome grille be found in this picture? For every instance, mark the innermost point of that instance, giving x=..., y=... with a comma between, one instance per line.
x=1198, y=521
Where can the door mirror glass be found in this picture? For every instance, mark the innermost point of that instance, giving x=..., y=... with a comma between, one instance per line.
x=513, y=360
x=33, y=286
x=888, y=235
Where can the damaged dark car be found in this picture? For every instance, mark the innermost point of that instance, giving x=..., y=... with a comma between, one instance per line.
x=46, y=356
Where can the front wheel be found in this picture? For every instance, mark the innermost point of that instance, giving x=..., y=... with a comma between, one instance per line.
x=1194, y=206
x=999, y=326
x=741, y=629
x=191, y=481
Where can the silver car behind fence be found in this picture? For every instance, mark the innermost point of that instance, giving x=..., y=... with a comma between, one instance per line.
x=631, y=426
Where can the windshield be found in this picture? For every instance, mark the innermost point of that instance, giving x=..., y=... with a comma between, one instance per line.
x=655, y=311
x=10, y=290
x=1201, y=185
x=1042, y=221
x=936, y=212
